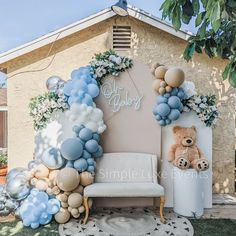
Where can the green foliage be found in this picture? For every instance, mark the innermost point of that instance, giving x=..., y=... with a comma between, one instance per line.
x=216, y=35
x=3, y=159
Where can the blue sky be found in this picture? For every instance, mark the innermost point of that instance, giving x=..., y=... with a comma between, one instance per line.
x=24, y=20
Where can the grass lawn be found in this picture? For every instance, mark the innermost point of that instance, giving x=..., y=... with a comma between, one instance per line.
x=202, y=227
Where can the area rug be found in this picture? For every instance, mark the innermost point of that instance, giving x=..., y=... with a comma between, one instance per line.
x=128, y=222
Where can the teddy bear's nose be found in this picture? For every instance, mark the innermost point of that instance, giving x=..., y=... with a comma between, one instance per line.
x=188, y=140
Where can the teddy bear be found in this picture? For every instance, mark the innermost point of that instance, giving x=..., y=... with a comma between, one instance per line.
x=185, y=153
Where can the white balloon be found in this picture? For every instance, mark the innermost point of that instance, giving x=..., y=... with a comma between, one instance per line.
x=90, y=117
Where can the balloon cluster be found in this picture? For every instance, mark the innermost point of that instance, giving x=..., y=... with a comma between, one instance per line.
x=166, y=79
x=38, y=209
x=54, y=184
x=82, y=88
x=7, y=204
x=167, y=83
x=81, y=150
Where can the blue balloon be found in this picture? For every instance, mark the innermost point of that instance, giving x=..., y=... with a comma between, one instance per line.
x=90, y=161
x=86, y=134
x=86, y=154
x=99, y=152
x=181, y=107
x=166, y=95
x=96, y=137
x=91, y=146
x=71, y=149
x=91, y=169
x=75, y=74
x=81, y=165
x=174, y=102
x=70, y=164
x=174, y=92
x=68, y=86
x=34, y=225
x=174, y=114
x=93, y=90
x=168, y=121
x=162, y=123
x=77, y=128
x=163, y=109
x=80, y=85
x=158, y=117
x=87, y=100
x=161, y=99
x=181, y=95
x=53, y=206
x=52, y=158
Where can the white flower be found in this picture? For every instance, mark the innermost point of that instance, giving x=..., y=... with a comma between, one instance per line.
x=204, y=99
x=198, y=100
x=189, y=88
x=202, y=105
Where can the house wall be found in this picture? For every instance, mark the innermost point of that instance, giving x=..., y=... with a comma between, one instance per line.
x=148, y=45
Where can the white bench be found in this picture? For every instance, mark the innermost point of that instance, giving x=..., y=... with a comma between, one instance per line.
x=125, y=175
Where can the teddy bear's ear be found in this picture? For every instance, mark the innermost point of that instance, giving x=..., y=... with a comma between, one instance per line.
x=194, y=128
x=176, y=129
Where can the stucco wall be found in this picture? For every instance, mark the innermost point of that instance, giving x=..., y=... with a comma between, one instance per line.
x=148, y=45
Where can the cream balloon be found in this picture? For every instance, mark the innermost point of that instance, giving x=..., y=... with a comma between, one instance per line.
x=86, y=178
x=62, y=216
x=160, y=72
x=75, y=200
x=174, y=77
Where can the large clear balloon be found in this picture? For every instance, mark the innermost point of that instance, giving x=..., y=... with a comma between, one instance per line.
x=52, y=83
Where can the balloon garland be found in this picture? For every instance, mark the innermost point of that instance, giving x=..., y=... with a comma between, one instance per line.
x=177, y=95
x=52, y=187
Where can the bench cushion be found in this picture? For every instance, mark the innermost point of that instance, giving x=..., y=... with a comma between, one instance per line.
x=124, y=190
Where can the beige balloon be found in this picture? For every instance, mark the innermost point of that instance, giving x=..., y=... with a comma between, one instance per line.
x=86, y=178
x=160, y=72
x=62, y=216
x=75, y=200
x=81, y=209
x=67, y=179
x=168, y=89
x=153, y=67
x=41, y=171
x=174, y=77
x=156, y=84
x=41, y=184
x=162, y=90
x=79, y=189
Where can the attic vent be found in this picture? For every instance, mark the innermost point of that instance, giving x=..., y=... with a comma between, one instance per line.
x=121, y=37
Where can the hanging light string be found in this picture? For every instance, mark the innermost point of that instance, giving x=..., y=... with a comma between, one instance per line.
x=44, y=68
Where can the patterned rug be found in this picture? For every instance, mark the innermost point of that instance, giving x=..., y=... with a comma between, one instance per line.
x=128, y=222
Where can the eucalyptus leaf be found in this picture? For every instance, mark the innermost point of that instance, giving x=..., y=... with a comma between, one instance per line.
x=226, y=72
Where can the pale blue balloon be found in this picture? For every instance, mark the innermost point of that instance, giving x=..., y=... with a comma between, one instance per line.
x=166, y=95
x=162, y=123
x=94, y=81
x=174, y=91
x=86, y=134
x=52, y=158
x=86, y=154
x=34, y=225
x=81, y=165
x=181, y=107
x=70, y=164
x=93, y=90
x=90, y=161
x=96, y=137
x=87, y=100
x=77, y=128
x=53, y=206
x=181, y=95
x=75, y=74
x=68, y=86
x=80, y=85
x=91, y=169
x=91, y=146
x=174, y=102
x=99, y=152
x=174, y=114
x=161, y=99
x=71, y=149
x=158, y=117
x=163, y=109
x=168, y=121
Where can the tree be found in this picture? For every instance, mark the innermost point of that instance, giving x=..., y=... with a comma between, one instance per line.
x=216, y=34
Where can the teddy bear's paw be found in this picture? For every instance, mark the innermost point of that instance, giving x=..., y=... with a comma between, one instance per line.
x=202, y=165
x=183, y=163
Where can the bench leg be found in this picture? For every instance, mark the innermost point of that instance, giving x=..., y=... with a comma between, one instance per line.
x=162, y=203
x=86, y=210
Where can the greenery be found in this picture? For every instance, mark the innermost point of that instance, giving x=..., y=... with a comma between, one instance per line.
x=204, y=106
x=42, y=107
x=3, y=160
x=213, y=227
x=109, y=63
x=216, y=35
